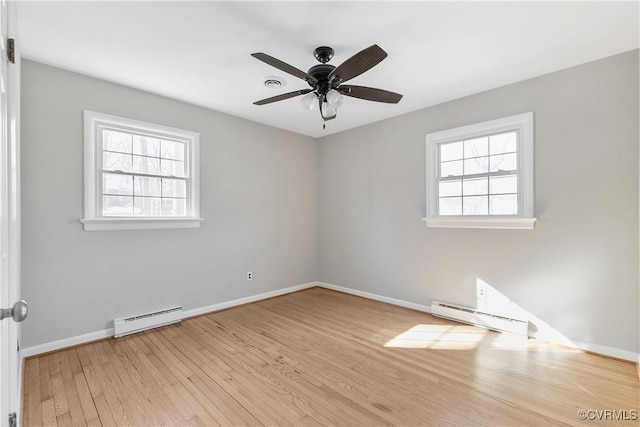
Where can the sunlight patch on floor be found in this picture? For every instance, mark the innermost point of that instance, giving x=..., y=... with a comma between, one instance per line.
x=441, y=337
x=457, y=337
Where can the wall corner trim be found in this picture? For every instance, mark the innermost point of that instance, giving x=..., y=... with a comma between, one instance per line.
x=393, y=301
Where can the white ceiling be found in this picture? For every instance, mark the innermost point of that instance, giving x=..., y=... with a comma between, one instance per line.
x=199, y=52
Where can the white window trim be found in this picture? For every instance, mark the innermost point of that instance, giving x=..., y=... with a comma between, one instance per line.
x=525, y=219
x=93, y=219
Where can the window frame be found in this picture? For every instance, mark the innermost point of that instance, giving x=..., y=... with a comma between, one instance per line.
x=524, y=219
x=94, y=220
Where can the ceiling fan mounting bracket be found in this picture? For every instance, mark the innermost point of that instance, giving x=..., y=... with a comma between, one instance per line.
x=323, y=54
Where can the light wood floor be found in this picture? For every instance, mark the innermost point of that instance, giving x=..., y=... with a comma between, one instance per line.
x=319, y=357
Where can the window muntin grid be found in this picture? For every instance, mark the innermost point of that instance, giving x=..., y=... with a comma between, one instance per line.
x=479, y=176
x=143, y=175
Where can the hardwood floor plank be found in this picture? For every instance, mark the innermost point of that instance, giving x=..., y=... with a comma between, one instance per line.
x=102, y=407
x=49, y=413
x=71, y=391
x=86, y=401
x=59, y=396
x=192, y=382
x=228, y=409
x=181, y=410
x=143, y=392
x=349, y=408
x=320, y=357
x=46, y=389
x=266, y=373
x=32, y=412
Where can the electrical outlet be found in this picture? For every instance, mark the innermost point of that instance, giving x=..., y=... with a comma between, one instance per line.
x=249, y=275
x=481, y=290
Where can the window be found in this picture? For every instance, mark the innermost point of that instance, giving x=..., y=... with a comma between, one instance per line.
x=139, y=175
x=481, y=176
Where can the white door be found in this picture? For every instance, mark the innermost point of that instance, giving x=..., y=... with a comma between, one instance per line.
x=9, y=217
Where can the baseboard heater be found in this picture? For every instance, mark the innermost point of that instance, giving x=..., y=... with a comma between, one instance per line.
x=142, y=322
x=475, y=317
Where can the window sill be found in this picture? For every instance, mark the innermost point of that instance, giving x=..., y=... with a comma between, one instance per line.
x=107, y=224
x=518, y=223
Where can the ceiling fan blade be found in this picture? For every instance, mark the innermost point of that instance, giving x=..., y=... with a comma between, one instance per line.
x=282, y=97
x=358, y=64
x=370, y=94
x=283, y=66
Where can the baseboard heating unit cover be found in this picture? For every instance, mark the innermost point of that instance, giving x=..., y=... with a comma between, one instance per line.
x=476, y=317
x=142, y=322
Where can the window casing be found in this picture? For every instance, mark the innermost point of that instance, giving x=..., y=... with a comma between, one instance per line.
x=481, y=175
x=139, y=175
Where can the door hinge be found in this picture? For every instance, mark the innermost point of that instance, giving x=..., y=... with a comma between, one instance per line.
x=18, y=345
x=13, y=421
x=11, y=51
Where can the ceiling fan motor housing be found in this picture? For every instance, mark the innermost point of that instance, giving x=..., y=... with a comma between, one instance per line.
x=321, y=73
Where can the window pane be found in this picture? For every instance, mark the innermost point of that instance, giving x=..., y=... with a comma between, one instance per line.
x=450, y=188
x=504, y=204
x=147, y=165
x=479, y=165
x=476, y=205
x=503, y=143
x=117, y=184
x=476, y=147
x=147, y=206
x=475, y=186
x=450, y=206
x=172, y=150
x=146, y=146
x=451, y=168
x=116, y=161
x=503, y=184
x=451, y=151
x=174, y=207
x=146, y=186
x=174, y=188
x=117, y=205
x=116, y=141
x=172, y=168
x=503, y=162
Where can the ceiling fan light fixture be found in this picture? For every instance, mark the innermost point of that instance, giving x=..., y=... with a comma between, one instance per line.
x=335, y=98
x=328, y=111
x=309, y=101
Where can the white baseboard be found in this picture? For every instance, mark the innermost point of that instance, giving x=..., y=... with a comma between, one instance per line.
x=66, y=342
x=605, y=350
x=593, y=348
x=246, y=300
x=106, y=333
x=398, y=302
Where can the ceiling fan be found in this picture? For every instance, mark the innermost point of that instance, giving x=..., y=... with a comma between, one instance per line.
x=326, y=81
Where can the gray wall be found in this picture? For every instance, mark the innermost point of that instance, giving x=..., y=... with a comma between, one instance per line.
x=577, y=270
x=345, y=210
x=258, y=199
